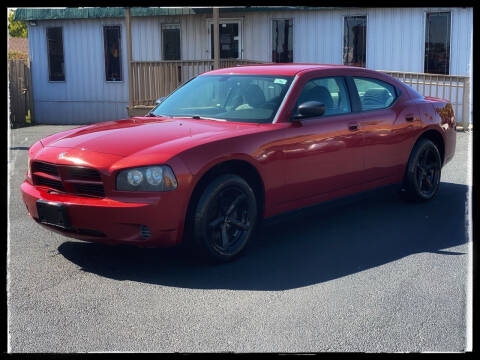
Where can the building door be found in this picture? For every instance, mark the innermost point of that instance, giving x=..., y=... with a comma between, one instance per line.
x=230, y=38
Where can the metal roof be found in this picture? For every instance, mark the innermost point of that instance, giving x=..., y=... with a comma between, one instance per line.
x=93, y=13
x=27, y=14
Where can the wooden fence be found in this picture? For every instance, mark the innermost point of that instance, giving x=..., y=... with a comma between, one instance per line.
x=154, y=79
x=21, y=99
x=455, y=89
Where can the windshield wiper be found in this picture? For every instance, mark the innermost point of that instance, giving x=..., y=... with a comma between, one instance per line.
x=198, y=117
x=154, y=115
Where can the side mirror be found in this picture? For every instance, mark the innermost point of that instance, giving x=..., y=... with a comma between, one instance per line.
x=159, y=100
x=310, y=109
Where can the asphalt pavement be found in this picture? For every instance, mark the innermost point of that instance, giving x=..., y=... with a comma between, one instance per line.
x=376, y=274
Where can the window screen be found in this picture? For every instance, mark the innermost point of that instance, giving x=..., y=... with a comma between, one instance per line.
x=282, y=41
x=354, y=40
x=171, y=42
x=113, y=63
x=437, y=43
x=56, y=64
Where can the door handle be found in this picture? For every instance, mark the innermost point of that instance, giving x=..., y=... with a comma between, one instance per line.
x=353, y=126
x=409, y=117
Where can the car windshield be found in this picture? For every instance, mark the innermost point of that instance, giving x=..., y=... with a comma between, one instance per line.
x=239, y=98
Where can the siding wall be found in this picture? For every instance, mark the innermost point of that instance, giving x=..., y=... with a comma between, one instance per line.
x=395, y=41
x=85, y=96
x=395, y=37
x=147, y=43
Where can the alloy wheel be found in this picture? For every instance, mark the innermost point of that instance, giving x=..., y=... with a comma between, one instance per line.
x=228, y=220
x=427, y=172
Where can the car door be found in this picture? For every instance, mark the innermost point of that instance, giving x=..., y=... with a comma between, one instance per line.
x=322, y=154
x=384, y=137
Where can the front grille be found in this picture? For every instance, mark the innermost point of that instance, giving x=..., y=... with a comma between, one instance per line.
x=54, y=184
x=70, y=179
x=82, y=173
x=45, y=168
x=90, y=189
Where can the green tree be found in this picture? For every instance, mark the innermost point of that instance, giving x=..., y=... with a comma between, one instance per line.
x=16, y=28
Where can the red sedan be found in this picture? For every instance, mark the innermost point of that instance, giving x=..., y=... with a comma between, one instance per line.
x=234, y=146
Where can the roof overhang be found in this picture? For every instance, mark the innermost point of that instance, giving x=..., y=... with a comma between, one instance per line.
x=31, y=14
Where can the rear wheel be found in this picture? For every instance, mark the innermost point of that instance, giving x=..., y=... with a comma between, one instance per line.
x=422, y=179
x=225, y=218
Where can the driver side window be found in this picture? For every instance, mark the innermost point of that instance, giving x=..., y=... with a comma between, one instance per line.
x=330, y=91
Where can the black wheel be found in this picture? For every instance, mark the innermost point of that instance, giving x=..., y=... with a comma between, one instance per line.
x=422, y=179
x=225, y=218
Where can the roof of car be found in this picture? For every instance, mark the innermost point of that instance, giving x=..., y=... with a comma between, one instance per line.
x=275, y=69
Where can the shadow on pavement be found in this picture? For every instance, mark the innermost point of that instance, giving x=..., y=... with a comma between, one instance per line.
x=309, y=247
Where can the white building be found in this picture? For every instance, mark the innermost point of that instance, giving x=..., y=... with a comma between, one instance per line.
x=79, y=55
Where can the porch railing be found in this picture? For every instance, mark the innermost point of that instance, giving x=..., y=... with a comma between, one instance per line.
x=154, y=79
x=455, y=89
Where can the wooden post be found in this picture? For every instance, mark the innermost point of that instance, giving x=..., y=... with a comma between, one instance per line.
x=129, y=56
x=466, y=104
x=30, y=94
x=216, y=42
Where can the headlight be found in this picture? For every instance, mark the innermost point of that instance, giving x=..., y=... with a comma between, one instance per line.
x=147, y=178
x=154, y=175
x=134, y=177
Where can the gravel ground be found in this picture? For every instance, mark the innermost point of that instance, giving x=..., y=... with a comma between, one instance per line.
x=375, y=275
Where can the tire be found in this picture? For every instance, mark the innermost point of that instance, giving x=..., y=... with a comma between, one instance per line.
x=224, y=219
x=424, y=168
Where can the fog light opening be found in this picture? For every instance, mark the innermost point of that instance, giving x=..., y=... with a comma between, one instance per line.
x=145, y=232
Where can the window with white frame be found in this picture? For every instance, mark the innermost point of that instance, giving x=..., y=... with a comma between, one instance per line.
x=354, y=40
x=230, y=37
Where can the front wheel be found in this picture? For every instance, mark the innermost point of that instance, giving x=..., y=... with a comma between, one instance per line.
x=225, y=218
x=422, y=179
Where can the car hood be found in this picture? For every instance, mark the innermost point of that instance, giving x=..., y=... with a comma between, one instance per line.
x=128, y=137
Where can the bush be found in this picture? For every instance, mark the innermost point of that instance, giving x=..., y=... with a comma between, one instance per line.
x=17, y=55
x=17, y=28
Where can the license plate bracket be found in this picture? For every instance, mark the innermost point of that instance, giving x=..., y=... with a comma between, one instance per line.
x=52, y=213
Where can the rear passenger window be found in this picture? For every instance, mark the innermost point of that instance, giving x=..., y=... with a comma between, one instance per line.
x=330, y=91
x=374, y=94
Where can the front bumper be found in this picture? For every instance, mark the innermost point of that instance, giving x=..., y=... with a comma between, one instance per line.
x=115, y=221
